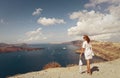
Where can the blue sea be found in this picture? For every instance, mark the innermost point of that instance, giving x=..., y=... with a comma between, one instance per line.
x=27, y=61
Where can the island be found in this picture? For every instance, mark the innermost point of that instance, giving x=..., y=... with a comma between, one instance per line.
x=16, y=47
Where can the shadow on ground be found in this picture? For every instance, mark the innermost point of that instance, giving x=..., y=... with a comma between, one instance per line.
x=94, y=68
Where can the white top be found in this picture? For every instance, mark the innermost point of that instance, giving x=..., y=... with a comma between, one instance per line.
x=86, y=45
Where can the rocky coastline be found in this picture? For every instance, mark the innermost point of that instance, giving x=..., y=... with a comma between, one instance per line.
x=4, y=48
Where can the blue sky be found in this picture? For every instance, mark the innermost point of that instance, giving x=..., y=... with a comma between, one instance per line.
x=54, y=21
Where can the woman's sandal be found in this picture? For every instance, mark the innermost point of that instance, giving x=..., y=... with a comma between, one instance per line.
x=89, y=72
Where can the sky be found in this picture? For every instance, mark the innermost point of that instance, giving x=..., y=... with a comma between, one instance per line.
x=55, y=21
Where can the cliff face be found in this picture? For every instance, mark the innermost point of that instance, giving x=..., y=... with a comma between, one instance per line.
x=107, y=50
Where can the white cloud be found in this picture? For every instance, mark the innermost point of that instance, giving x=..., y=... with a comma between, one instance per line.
x=33, y=36
x=1, y=21
x=49, y=21
x=34, y=33
x=107, y=37
x=37, y=12
x=93, y=3
x=101, y=26
x=114, y=10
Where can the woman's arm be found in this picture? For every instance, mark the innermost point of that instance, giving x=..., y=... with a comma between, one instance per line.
x=83, y=48
x=82, y=51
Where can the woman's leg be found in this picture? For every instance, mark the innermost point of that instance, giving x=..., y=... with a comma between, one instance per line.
x=88, y=67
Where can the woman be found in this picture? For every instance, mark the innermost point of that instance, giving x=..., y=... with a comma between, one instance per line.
x=87, y=50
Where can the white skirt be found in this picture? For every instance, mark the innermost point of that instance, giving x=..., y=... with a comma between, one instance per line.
x=88, y=55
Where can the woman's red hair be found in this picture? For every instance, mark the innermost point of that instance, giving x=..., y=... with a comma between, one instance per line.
x=86, y=38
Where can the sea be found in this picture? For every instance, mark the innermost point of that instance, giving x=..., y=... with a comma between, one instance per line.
x=20, y=62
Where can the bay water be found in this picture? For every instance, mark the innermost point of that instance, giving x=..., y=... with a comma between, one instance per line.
x=28, y=61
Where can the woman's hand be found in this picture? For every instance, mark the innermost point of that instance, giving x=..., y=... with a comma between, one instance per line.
x=82, y=51
x=80, y=55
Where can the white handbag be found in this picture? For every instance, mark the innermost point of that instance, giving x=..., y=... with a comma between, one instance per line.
x=80, y=65
x=80, y=62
